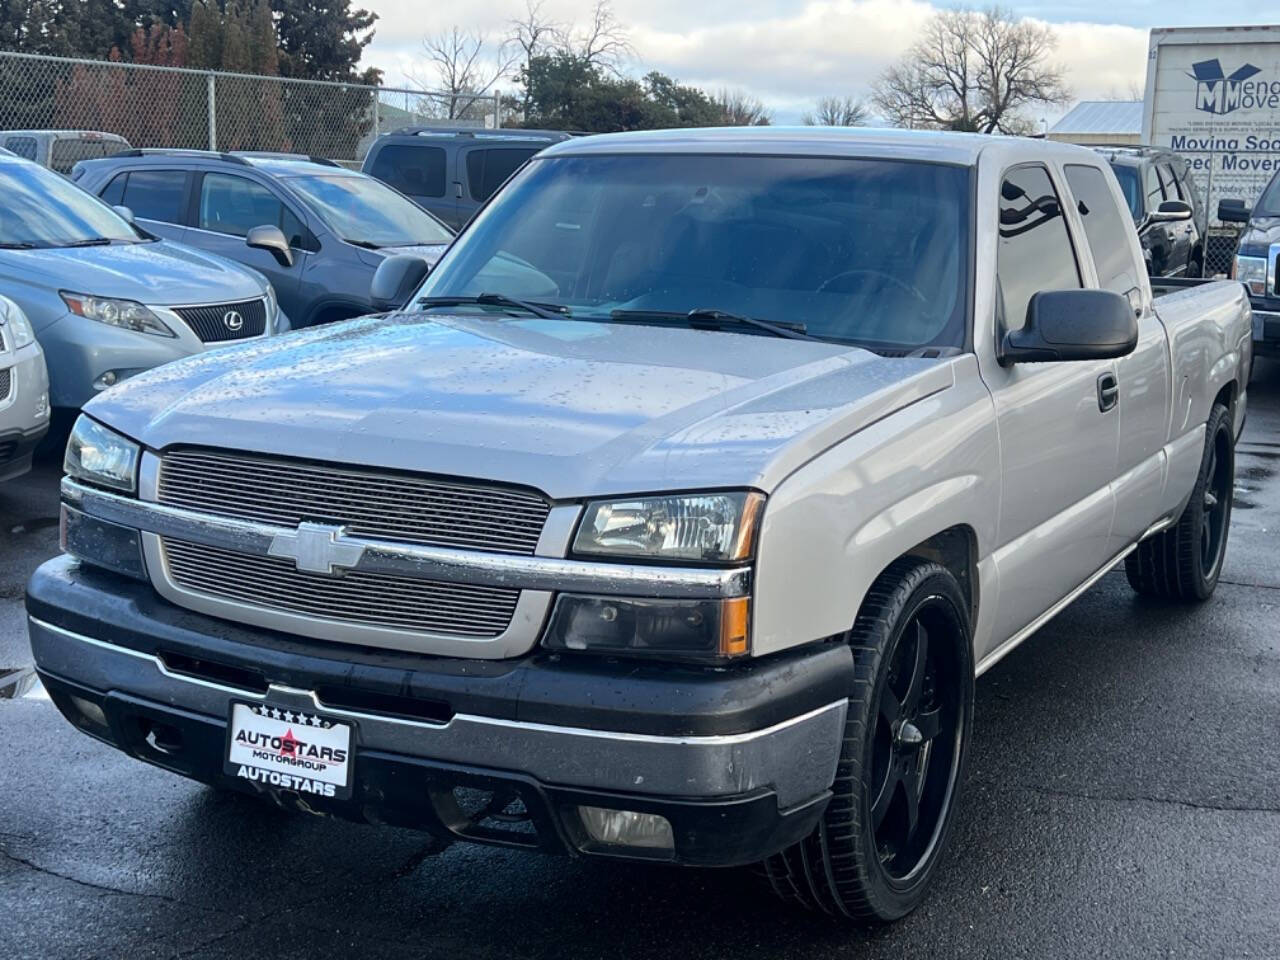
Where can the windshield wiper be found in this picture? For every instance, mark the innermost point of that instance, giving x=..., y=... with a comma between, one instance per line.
x=18, y=245
x=362, y=243
x=90, y=242
x=709, y=318
x=548, y=311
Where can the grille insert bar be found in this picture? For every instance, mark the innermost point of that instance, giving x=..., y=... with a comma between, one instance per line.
x=6, y=383
x=420, y=606
x=385, y=506
x=221, y=322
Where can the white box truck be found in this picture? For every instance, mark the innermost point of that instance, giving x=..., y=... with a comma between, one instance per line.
x=1213, y=95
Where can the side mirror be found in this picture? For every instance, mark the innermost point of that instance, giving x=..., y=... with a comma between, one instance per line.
x=271, y=239
x=1172, y=211
x=395, y=280
x=1073, y=325
x=123, y=211
x=1233, y=211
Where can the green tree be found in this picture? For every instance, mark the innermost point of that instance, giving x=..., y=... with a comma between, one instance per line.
x=323, y=39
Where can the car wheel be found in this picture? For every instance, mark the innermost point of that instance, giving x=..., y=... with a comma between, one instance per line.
x=1184, y=562
x=906, y=734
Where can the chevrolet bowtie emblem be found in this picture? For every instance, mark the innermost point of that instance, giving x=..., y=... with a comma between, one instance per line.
x=317, y=548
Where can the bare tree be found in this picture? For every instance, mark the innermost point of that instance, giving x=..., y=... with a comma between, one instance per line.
x=604, y=41
x=466, y=68
x=837, y=112
x=534, y=34
x=973, y=71
x=741, y=109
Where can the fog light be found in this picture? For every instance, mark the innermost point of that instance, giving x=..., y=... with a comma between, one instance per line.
x=108, y=379
x=90, y=711
x=627, y=828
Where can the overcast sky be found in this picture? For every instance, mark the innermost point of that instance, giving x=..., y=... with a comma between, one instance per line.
x=790, y=53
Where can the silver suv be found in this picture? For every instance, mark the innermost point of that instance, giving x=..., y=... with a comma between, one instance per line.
x=24, y=391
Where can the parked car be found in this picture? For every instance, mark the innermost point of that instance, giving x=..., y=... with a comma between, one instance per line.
x=60, y=150
x=320, y=230
x=675, y=518
x=452, y=172
x=24, y=391
x=1257, y=261
x=1165, y=204
x=107, y=300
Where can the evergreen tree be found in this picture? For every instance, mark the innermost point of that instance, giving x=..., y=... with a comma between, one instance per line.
x=323, y=39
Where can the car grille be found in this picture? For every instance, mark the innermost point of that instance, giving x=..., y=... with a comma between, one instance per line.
x=384, y=506
x=369, y=599
x=215, y=323
x=6, y=383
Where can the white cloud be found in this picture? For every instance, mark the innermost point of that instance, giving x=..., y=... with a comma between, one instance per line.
x=786, y=53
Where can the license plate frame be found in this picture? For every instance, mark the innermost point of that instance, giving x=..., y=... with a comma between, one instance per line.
x=284, y=748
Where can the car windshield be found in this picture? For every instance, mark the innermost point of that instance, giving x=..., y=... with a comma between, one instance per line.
x=872, y=252
x=38, y=208
x=362, y=210
x=1269, y=202
x=1131, y=187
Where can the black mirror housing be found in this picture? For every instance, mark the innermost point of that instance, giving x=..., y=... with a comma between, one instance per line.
x=1233, y=211
x=395, y=280
x=272, y=239
x=1073, y=325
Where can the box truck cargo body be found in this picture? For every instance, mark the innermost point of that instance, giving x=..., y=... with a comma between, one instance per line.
x=1213, y=95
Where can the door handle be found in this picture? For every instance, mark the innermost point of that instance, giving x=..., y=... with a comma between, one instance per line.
x=1108, y=392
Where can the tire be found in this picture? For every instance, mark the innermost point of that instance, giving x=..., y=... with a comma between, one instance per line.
x=852, y=866
x=1183, y=563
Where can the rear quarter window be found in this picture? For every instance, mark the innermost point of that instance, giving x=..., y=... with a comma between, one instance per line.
x=65, y=154
x=418, y=171
x=1104, y=227
x=489, y=168
x=24, y=147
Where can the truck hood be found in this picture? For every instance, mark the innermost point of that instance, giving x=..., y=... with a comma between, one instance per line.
x=158, y=274
x=1258, y=236
x=572, y=408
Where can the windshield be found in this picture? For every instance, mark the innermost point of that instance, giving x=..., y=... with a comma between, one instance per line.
x=362, y=210
x=872, y=252
x=1131, y=187
x=1269, y=202
x=38, y=208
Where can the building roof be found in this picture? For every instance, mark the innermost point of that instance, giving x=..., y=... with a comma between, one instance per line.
x=1101, y=116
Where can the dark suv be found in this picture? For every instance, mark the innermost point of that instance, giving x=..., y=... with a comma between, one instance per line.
x=452, y=172
x=316, y=230
x=1257, y=261
x=1166, y=207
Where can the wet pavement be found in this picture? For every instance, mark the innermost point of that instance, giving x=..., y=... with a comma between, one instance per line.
x=1123, y=800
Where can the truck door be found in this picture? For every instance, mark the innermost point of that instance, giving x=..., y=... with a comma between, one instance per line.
x=1143, y=376
x=1057, y=437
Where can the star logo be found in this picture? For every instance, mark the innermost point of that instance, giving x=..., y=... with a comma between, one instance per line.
x=289, y=744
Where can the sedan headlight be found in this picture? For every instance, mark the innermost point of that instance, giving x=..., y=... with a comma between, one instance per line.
x=101, y=457
x=702, y=527
x=126, y=314
x=18, y=331
x=1252, y=272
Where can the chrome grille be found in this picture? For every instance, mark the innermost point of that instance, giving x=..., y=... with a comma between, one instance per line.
x=211, y=324
x=386, y=506
x=6, y=383
x=372, y=599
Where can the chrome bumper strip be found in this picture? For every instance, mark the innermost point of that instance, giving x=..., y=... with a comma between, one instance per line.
x=796, y=758
x=444, y=564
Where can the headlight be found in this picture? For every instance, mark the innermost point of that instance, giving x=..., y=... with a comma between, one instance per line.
x=101, y=457
x=126, y=314
x=704, y=527
x=1252, y=272
x=18, y=328
x=635, y=626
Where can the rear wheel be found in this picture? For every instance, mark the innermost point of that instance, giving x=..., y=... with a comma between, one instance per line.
x=1184, y=562
x=906, y=733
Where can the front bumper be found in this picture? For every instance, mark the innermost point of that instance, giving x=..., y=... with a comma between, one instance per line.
x=24, y=410
x=1266, y=332
x=739, y=760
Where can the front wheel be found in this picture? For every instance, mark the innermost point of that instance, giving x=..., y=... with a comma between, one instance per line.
x=906, y=734
x=1184, y=562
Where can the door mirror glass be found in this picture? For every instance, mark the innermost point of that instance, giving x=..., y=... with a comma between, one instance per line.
x=395, y=281
x=1073, y=325
x=1171, y=211
x=270, y=238
x=1233, y=211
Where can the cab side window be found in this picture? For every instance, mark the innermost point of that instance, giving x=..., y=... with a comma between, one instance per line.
x=1104, y=228
x=1034, y=250
x=235, y=205
x=1155, y=189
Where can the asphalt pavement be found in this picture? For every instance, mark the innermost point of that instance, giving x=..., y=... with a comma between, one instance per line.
x=1122, y=800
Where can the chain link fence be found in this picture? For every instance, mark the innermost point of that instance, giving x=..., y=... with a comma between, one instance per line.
x=1228, y=174
x=206, y=110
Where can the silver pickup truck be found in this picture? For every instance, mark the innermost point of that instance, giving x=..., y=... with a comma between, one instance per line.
x=673, y=516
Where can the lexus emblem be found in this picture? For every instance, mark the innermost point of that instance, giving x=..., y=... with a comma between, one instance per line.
x=233, y=320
